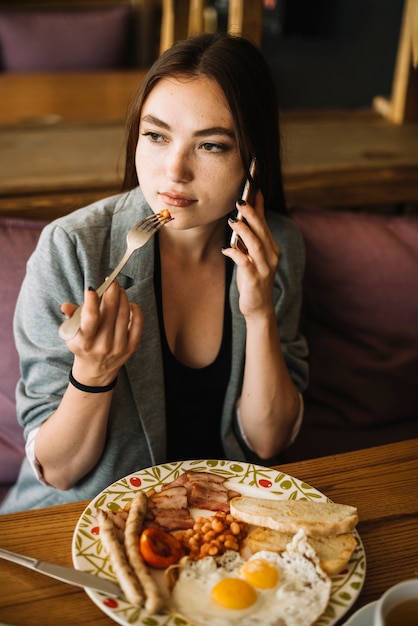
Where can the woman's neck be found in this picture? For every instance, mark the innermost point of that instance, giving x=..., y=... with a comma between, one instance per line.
x=196, y=245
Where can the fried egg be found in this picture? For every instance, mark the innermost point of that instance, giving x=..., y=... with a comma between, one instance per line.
x=288, y=589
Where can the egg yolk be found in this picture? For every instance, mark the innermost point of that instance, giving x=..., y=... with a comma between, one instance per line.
x=234, y=593
x=260, y=573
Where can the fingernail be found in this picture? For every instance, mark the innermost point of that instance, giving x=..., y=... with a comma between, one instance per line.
x=233, y=220
x=241, y=202
x=91, y=289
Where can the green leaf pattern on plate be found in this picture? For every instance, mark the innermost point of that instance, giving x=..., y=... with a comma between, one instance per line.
x=249, y=479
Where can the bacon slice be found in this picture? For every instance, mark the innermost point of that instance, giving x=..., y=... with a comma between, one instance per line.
x=178, y=482
x=207, y=491
x=169, y=508
x=171, y=498
x=206, y=477
x=204, y=496
x=173, y=519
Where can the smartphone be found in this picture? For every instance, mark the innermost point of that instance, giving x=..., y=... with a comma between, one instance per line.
x=247, y=195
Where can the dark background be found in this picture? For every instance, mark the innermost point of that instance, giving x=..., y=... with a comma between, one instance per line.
x=331, y=53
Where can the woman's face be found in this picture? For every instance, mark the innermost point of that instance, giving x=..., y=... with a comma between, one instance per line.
x=187, y=158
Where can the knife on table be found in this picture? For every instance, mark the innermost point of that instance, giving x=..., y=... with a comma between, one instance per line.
x=65, y=574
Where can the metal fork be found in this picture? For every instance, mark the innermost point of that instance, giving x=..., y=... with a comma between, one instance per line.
x=136, y=238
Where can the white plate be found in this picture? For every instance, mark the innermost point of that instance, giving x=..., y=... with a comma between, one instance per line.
x=254, y=480
x=362, y=617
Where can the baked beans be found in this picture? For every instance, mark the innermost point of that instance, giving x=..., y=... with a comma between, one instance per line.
x=212, y=536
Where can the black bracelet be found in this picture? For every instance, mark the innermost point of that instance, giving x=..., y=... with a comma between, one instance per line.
x=89, y=389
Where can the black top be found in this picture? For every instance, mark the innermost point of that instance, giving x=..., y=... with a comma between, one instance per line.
x=194, y=397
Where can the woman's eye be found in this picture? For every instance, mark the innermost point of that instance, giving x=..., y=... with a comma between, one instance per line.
x=155, y=137
x=213, y=147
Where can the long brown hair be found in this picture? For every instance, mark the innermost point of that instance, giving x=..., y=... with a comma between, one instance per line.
x=242, y=72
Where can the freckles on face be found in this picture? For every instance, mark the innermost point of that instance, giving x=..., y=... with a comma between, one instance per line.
x=187, y=157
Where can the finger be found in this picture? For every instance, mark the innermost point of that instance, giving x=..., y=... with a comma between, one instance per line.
x=109, y=311
x=254, y=217
x=250, y=220
x=236, y=242
x=90, y=312
x=255, y=239
x=136, y=324
x=255, y=230
x=123, y=326
x=122, y=321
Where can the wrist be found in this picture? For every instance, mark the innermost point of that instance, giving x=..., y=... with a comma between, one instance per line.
x=261, y=321
x=91, y=388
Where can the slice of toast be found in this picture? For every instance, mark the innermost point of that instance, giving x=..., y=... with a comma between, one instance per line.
x=334, y=552
x=318, y=519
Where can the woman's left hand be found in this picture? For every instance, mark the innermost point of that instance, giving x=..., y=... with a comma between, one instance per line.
x=256, y=267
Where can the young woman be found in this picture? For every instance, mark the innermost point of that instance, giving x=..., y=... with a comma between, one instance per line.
x=195, y=351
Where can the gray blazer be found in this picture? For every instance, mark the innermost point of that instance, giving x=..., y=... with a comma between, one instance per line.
x=77, y=251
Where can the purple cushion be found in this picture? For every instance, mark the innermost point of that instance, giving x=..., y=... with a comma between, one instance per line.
x=18, y=239
x=56, y=40
x=361, y=297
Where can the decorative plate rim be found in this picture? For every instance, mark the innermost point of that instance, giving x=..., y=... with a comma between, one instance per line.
x=251, y=479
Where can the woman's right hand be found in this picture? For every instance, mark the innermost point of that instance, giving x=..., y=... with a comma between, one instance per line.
x=70, y=442
x=110, y=331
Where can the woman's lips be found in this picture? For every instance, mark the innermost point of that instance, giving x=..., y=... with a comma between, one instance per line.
x=172, y=199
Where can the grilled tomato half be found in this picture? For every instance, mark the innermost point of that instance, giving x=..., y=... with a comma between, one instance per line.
x=158, y=548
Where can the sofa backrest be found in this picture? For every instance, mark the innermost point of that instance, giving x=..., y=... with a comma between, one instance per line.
x=18, y=239
x=39, y=39
x=78, y=35
x=361, y=324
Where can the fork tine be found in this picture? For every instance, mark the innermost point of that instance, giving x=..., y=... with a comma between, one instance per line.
x=153, y=222
x=145, y=220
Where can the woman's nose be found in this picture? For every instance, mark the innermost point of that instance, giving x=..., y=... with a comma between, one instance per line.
x=179, y=167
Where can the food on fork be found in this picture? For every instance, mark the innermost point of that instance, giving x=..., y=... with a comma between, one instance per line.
x=165, y=213
x=333, y=551
x=315, y=518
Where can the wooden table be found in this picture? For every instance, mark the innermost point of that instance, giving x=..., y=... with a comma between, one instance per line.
x=53, y=97
x=381, y=482
x=341, y=159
